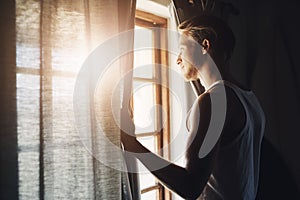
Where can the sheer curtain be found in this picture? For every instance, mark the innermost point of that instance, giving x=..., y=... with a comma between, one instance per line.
x=53, y=38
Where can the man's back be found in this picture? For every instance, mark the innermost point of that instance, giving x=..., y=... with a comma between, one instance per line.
x=236, y=171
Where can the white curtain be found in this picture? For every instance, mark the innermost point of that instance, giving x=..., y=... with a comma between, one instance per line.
x=53, y=39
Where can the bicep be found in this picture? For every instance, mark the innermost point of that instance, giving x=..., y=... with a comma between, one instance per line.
x=199, y=167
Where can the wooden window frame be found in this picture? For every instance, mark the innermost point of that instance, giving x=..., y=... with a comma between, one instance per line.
x=149, y=20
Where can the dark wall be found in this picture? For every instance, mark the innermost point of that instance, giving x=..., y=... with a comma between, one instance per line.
x=265, y=59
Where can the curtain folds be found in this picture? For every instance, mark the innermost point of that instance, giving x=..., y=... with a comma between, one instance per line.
x=53, y=40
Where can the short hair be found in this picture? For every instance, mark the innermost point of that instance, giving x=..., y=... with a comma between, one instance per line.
x=217, y=31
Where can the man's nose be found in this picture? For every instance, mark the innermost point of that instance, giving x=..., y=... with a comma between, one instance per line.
x=179, y=59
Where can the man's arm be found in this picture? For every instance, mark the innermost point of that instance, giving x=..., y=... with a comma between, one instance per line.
x=188, y=182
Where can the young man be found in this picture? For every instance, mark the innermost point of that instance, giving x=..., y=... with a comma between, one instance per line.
x=225, y=124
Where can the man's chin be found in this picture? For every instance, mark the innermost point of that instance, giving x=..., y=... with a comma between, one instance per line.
x=189, y=78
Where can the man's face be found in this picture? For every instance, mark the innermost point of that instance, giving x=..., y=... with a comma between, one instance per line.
x=189, y=57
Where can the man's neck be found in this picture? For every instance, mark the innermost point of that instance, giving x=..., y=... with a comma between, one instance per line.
x=209, y=74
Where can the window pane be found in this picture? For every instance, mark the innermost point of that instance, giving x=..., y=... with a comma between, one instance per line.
x=143, y=57
x=144, y=109
x=27, y=29
x=146, y=178
x=28, y=106
x=143, y=64
x=28, y=175
x=68, y=172
x=152, y=195
x=64, y=130
x=69, y=39
x=28, y=57
x=148, y=142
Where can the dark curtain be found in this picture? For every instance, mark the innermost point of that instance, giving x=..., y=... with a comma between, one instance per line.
x=8, y=122
x=265, y=59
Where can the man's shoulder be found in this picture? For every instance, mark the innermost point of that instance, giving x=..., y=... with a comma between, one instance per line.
x=202, y=103
x=204, y=97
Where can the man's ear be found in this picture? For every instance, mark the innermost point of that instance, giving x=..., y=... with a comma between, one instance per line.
x=205, y=45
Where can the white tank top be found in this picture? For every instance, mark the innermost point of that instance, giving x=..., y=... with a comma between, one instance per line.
x=236, y=172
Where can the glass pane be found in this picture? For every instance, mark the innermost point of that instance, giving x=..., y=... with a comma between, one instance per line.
x=68, y=172
x=145, y=177
x=146, y=180
x=148, y=142
x=64, y=130
x=143, y=57
x=28, y=175
x=144, y=109
x=152, y=195
x=28, y=106
x=69, y=42
x=143, y=64
x=28, y=57
x=27, y=33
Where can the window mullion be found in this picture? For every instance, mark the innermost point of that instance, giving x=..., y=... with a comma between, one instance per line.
x=148, y=189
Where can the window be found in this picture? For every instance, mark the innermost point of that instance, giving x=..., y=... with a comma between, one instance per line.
x=49, y=151
x=151, y=100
